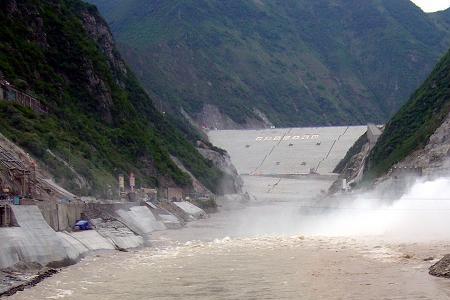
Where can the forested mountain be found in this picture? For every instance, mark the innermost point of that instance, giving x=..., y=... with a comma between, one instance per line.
x=411, y=128
x=101, y=122
x=294, y=62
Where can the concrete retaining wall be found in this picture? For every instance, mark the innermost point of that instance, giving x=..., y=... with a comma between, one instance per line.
x=141, y=220
x=74, y=248
x=61, y=216
x=33, y=241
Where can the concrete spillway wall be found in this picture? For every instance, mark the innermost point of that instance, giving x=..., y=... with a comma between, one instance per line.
x=191, y=210
x=33, y=241
x=90, y=240
x=185, y=211
x=140, y=219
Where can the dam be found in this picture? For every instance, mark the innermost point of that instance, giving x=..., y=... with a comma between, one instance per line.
x=287, y=151
x=287, y=162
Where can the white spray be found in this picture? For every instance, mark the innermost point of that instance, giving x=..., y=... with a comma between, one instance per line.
x=422, y=213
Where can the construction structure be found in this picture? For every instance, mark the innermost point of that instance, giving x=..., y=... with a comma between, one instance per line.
x=10, y=93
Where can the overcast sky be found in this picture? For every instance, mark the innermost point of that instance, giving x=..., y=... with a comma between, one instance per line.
x=432, y=5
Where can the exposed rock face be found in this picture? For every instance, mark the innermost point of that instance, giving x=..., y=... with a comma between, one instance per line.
x=434, y=158
x=351, y=167
x=232, y=183
x=441, y=268
x=196, y=184
x=212, y=117
x=99, y=31
x=353, y=170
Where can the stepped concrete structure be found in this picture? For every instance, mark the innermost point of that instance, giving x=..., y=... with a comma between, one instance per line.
x=287, y=162
x=73, y=247
x=288, y=150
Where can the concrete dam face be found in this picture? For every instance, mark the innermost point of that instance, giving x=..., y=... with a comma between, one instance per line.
x=280, y=162
x=287, y=151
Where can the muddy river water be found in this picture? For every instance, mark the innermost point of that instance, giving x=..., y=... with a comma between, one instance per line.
x=250, y=268
x=254, y=250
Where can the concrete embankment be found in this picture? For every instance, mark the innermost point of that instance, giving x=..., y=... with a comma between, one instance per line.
x=31, y=240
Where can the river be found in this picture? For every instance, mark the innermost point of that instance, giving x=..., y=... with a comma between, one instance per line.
x=255, y=250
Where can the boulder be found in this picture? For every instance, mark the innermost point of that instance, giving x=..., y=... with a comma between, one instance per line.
x=441, y=268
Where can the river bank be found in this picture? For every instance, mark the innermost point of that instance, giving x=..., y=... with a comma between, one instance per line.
x=32, y=250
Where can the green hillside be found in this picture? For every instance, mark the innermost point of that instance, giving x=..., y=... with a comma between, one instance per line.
x=300, y=62
x=416, y=121
x=101, y=121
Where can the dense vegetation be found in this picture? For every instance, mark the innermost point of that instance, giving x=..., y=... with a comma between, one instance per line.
x=301, y=62
x=416, y=121
x=101, y=121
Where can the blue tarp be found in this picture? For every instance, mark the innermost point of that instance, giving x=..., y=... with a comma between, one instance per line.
x=82, y=225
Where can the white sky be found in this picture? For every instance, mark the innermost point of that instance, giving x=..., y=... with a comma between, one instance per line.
x=432, y=5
